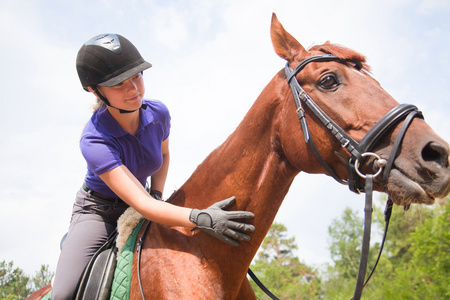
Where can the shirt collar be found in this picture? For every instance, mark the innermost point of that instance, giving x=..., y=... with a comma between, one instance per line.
x=114, y=129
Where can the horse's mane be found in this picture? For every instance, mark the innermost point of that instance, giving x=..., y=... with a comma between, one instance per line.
x=344, y=54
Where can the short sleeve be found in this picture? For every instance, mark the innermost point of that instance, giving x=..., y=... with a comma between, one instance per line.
x=161, y=114
x=166, y=123
x=101, y=155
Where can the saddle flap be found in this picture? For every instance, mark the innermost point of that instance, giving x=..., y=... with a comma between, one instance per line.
x=98, y=285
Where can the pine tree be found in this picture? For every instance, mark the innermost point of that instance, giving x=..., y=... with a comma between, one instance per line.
x=281, y=271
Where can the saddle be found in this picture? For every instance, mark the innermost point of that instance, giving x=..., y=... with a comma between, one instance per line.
x=108, y=274
x=97, y=278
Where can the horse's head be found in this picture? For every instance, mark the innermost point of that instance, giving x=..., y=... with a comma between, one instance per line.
x=340, y=84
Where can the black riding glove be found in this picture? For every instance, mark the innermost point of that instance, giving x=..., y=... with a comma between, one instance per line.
x=156, y=194
x=217, y=222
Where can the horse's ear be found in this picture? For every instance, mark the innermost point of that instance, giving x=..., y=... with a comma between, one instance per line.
x=285, y=45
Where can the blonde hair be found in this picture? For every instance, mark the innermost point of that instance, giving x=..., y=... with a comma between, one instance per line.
x=98, y=104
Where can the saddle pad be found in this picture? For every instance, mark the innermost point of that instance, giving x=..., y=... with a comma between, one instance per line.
x=122, y=276
x=47, y=296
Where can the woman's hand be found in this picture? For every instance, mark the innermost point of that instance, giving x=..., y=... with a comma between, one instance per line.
x=217, y=222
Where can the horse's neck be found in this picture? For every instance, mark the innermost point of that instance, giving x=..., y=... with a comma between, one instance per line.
x=249, y=165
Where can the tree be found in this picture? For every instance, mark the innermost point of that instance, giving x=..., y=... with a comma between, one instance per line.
x=345, y=236
x=418, y=267
x=42, y=278
x=13, y=282
x=415, y=263
x=281, y=271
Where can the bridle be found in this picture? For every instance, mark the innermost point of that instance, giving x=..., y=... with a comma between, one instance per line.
x=358, y=152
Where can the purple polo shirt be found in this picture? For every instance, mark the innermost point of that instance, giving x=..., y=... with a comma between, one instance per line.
x=105, y=145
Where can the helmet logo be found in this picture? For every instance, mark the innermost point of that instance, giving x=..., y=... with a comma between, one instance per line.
x=108, y=41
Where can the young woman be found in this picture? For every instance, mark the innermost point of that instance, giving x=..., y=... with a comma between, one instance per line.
x=125, y=142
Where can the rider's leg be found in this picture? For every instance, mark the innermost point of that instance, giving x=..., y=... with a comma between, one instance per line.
x=92, y=222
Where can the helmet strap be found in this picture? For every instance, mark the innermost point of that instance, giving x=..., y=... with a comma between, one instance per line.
x=103, y=98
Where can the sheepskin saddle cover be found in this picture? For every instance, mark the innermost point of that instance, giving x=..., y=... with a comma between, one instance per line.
x=125, y=225
x=128, y=226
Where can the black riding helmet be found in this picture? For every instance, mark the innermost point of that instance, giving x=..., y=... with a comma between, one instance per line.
x=107, y=60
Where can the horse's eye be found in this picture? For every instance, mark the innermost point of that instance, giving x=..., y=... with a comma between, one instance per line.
x=329, y=82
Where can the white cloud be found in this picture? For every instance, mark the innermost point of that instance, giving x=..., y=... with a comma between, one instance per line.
x=428, y=7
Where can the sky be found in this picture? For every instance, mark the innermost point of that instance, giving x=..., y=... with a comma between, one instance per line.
x=211, y=59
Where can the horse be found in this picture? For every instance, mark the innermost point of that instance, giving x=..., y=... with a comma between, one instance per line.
x=258, y=162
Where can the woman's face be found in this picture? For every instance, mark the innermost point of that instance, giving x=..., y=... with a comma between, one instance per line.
x=126, y=95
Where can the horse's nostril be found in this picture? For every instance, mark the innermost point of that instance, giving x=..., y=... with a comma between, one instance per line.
x=437, y=153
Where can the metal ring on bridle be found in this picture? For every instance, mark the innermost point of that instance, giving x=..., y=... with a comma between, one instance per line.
x=380, y=163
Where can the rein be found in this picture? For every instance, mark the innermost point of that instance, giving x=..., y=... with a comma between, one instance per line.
x=358, y=152
x=139, y=246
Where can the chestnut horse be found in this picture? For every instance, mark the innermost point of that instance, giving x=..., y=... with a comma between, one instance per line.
x=258, y=162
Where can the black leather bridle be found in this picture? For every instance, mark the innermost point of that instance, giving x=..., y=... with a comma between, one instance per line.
x=358, y=152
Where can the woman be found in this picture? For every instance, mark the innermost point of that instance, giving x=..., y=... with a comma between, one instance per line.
x=125, y=142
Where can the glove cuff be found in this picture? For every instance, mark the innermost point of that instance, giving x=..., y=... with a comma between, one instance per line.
x=193, y=217
x=156, y=194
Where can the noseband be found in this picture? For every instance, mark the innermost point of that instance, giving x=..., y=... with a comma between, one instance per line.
x=357, y=150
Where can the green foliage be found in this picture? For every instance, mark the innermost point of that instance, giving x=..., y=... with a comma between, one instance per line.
x=419, y=267
x=345, y=236
x=42, y=278
x=415, y=263
x=14, y=284
x=281, y=271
